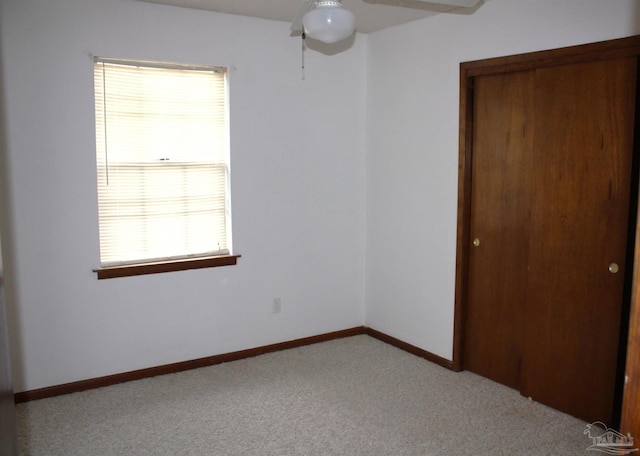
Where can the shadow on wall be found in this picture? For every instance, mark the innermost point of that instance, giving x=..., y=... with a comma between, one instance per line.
x=636, y=15
x=7, y=237
x=8, y=441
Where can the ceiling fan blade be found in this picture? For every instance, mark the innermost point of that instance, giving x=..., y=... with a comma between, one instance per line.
x=296, y=25
x=461, y=3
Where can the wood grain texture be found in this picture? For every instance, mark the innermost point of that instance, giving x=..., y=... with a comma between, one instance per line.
x=595, y=333
x=465, y=156
x=500, y=202
x=582, y=175
x=591, y=52
x=166, y=266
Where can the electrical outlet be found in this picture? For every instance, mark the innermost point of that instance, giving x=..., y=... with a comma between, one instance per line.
x=277, y=305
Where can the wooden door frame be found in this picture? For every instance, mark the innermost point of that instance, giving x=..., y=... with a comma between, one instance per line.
x=619, y=48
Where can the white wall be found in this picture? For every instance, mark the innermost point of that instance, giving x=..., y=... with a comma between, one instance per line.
x=297, y=191
x=412, y=139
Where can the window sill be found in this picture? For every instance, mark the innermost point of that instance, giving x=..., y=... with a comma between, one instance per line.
x=166, y=266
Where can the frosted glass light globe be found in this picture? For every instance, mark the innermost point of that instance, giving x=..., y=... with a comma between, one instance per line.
x=329, y=22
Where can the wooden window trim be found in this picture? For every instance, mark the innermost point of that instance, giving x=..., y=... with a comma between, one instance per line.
x=166, y=266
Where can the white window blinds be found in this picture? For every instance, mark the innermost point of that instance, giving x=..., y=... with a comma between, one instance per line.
x=162, y=152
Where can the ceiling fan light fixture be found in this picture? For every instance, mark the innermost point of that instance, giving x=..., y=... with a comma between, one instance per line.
x=329, y=22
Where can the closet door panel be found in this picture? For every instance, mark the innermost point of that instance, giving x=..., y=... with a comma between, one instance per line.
x=584, y=120
x=502, y=149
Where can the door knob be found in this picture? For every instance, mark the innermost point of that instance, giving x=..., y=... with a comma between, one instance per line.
x=613, y=268
x=476, y=242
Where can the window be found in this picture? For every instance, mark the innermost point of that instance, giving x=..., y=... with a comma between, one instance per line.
x=162, y=154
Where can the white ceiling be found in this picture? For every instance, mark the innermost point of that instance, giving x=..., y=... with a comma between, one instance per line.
x=371, y=15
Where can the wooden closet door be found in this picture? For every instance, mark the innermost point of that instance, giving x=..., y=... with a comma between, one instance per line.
x=500, y=201
x=584, y=122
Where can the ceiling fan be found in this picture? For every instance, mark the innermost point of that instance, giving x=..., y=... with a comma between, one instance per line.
x=329, y=22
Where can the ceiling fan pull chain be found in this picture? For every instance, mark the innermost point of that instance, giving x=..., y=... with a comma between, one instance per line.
x=304, y=36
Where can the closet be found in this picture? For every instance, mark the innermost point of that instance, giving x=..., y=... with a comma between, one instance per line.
x=548, y=190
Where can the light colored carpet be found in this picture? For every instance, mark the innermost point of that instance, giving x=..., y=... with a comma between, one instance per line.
x=353, y=396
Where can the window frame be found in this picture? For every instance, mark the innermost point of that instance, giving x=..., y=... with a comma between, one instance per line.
x=177, y=263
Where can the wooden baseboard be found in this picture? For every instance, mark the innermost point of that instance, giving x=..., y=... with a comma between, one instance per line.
x=109, y=380
x=410, y=348
x=83, y=385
